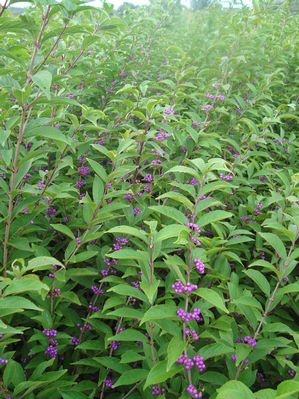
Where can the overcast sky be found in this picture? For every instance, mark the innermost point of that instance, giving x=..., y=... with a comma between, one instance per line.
x=94, y=3
x=116, y=3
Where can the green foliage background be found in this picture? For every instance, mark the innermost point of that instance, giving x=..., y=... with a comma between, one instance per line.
x=84, y=86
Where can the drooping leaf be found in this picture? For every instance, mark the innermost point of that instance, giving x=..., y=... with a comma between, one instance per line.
x=212, y=297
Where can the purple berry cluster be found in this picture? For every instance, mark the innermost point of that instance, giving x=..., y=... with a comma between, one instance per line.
x=93, y=308
x=195, y=241
x=51, y=351
x=187, y=317
x=157, y=390
x=148, y=178
x=51, y=211
x=75, y=341
x=249, y=340
x=83, y=171
x=291, y=372
x=258, y=208
x=199, y=265
x=114, y=345
x=226, y=177
x=193, y=392
x=161, y=135
x=215, y=96
x=193, y=181
x=55, y=292
x=136, y=211
x=194, y=226
x=189, y=363
x=97, y=290
x=192, y=334
x=180, y=288
x=169, y=111
x=49, y=332
x=119, y=243
x=108, y=382
x=41, y=185
x=207, y=107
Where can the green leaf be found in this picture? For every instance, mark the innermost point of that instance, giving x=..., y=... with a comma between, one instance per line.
x=275, y=243
x=130, y=357
x=131, y=377
x=98, y=189
x=91, y=345
x=45, y=379
x=286, y=389
x=170, y=212
x=103, y=150
x=83, y=256
x=290, y=288
x=265, y=394
x=278, y=328
x=159, y=312
x=127, y=313
x=99, y=170
x=212, y=217
x=214, y=186
x=27, y=283
x=42, y=263
x=48, y=133
x=264, y=264
x=260, y=280
x=150, y=290
x=40, y=368
x=177, y=197
x=13, y=374
x=216, y=349
x=112, y=363
x=129, y=335
x=63, y=229
x=128, y=253
x=212, y=297
x=174, y=350
x=184, y=169
x=170, y=231
x=70, y=296
x=213, y=377
x=234, y=390
x=131, y=231
x=72, y=395
x=43, y=79
x=17, y=302
x=242, y=351
x=247, y=301
x=127, y=290
x=159, y=374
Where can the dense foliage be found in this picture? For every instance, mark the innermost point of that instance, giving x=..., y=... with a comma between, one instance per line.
x=148, y=203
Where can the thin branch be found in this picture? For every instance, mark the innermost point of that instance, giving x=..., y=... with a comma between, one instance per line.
x=269, y=304
x=12, y=186
x=25, y=115
x=4, y=7
x=131, y=390
x=53, y=47
x=38, y=43
x=74, y=62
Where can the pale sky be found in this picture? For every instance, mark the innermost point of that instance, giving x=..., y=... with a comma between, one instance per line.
x=94, y=2
x=116, y=3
